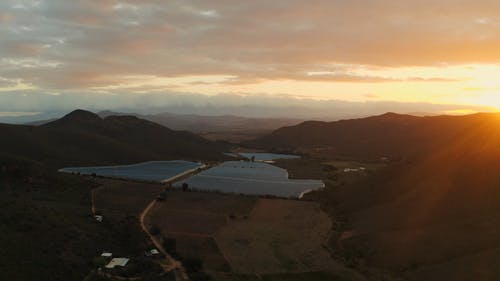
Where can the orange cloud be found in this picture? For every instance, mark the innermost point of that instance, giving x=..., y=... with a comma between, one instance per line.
x=257, y=43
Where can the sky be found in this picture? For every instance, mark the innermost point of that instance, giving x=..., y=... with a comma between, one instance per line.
x=107, y=54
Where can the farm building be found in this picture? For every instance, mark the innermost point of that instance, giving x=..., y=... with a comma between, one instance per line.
x=117, y=262
x=106, y=255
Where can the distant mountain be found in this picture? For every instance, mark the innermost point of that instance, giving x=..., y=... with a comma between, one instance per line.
x=82, y=137
x=223, y=127
x=205, y=124
x=388, y=135
x=434, y=212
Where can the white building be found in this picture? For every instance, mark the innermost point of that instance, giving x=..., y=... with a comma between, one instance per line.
x=117, y=262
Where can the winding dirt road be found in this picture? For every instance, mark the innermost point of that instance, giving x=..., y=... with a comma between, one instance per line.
x=172, y=264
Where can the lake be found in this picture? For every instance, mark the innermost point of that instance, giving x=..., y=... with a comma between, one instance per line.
x=155, y=171
x=252, y=178
x=263, y=156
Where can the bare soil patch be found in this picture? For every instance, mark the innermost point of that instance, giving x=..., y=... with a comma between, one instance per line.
x=278, y=236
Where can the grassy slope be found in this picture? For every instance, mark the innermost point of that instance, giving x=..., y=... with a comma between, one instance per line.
x=433, y=209
x=428, y=213
x=389, y=135
x=47, y=231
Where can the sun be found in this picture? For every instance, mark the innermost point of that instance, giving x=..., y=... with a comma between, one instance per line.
x=483, y=85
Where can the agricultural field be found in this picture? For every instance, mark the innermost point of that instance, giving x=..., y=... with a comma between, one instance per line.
x=278, y=236
x=117, y=198
x=243, y=238
x=215, y=203
x=193, y=218
x=202, y=248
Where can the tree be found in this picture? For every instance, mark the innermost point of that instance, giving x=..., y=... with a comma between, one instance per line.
x=99, y=261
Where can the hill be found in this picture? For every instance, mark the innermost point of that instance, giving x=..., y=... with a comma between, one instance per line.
x=434, y=212
x=82, y=137
x=390, y=135
x=216, y=127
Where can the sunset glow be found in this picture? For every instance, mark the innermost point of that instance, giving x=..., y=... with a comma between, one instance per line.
x=412, y=52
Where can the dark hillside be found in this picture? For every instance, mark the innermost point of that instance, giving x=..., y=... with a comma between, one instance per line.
x=83, y=138
x=434, y=209
x=48, y=232
x=389, y=135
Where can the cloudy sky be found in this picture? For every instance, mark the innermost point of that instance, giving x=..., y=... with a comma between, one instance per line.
x=63, y=53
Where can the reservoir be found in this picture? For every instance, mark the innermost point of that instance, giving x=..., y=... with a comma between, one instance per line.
x=156, y=171
x=251, y=178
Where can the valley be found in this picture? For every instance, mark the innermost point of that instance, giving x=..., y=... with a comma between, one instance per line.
x=393, y=206
x=258, y=140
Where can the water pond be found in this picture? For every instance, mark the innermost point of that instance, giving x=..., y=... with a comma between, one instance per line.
x=263, y=156
x=155, y=171
x=252, y=178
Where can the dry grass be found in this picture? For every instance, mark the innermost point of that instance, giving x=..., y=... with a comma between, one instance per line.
x=214, y=203
x=203, y=248
x=191, y=218
x=223, y=276
x=245, y=234
x=279, y=236
x=121, y=198
x=479, y=266
x=186, y=221
x=198, y=213
x=342, y=164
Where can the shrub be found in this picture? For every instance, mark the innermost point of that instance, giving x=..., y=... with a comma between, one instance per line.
x=193, y=264
x=99, y=261
x=170, y=245
x=154, y=230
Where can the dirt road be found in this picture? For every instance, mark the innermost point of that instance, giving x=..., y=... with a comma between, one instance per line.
x=172, y=264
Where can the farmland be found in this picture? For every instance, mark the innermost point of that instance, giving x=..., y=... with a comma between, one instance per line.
x=242, y=237
x=278, y=236
x=116, y=199
x=235, y=237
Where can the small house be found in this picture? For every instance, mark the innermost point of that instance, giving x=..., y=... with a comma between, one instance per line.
x=106, y=255
x=117, y=262
x=152, y=253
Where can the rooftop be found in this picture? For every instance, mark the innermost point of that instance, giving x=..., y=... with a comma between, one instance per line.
x=117, y=262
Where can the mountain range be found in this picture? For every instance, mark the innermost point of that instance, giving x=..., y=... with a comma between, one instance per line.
x=432, y=212
x=84, y=138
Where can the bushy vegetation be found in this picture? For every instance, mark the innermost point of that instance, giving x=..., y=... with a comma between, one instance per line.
x=48, y=232
x=194, y=269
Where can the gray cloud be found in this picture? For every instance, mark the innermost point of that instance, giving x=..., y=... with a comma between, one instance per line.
x=92, y=41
